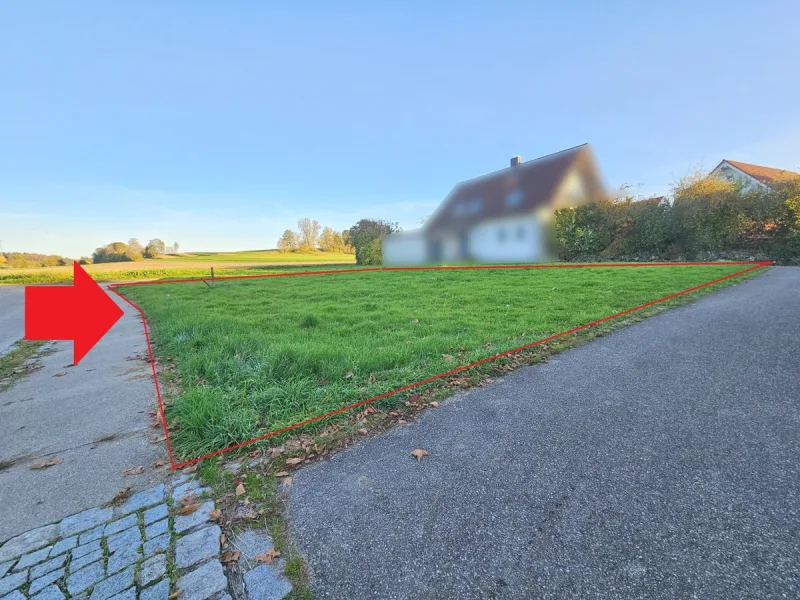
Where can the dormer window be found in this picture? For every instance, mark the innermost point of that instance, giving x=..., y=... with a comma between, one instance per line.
x=514, y=198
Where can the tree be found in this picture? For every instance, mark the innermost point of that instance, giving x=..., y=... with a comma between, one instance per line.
x=135, y=249
x=2, y=258
x=114, y=252
x=85, y=260
x=331, y=241
x=309, y=233
x=154, y=248
x=289, y=241
x=175, y=247
x=366, y=238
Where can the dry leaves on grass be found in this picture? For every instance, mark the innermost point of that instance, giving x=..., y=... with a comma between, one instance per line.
x=133, y=471
x=363, y=431
x=214, y=514
x=294, y=461
x=189, y=470
x=222, y=539
x=418, y=453
x=268, y=556
x=230, y=556
x=348, y=375
x=47, y=462
x=287, y=481
x=275, y=452
x=240, y=491
x=281, y=473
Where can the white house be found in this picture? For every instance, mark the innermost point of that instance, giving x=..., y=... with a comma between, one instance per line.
x=502, y=217
x=752, y=177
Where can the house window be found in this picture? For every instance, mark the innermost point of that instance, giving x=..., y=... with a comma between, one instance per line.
x=501, y=235
x=514, y=198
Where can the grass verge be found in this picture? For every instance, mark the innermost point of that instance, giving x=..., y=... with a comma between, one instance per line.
x=14, y=365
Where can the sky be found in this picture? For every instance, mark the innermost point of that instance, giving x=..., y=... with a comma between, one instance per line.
x=220, y=124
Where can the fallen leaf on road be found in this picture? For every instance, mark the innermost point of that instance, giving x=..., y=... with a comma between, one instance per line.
x=177, y=594
x=160, y=462
x=294, y=461
x=188, y=509
x=229, y=557
x=240, y=490
x=157, y=439
x=287, y=481
x=435, y=404
x=121, y=495
x=59, y=374
x=188, y=499
x=281, y=473
x=189, y=470
x=222, y=539
x=268, y=556
x=133, y=471
x=47, y=462
x=215, y=514
x=419, y=453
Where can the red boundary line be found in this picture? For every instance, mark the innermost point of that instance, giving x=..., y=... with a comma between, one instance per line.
x=112, y=286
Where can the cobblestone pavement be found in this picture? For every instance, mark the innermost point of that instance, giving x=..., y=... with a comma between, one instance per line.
x=142, y=549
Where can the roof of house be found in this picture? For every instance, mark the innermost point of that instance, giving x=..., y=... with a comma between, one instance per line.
x=514, y=190
x=765, y=175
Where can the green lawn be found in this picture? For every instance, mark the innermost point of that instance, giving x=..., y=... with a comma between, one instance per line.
x=185, y=265
x=251, y=356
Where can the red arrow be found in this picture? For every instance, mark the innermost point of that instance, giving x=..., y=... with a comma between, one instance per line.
x=82, y=312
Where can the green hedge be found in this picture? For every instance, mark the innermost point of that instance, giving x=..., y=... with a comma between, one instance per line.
x=706, y=217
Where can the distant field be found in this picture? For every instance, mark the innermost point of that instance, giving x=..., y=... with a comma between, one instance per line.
x=254, y=355
x=196, y=264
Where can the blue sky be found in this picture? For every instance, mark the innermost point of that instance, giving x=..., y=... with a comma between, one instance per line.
x=219, y=124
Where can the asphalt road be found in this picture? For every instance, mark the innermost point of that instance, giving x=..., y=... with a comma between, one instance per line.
x=92, y=416
x=12, y=323
x=662, y=461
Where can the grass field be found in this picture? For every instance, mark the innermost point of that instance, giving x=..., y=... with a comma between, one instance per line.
x=196, y=264
x=251, y=356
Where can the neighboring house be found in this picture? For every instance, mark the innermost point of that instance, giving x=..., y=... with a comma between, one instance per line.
x=752, y=177
x=502, y=217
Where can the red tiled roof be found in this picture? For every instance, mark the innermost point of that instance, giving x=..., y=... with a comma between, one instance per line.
x=765, y=175
x=510, y=191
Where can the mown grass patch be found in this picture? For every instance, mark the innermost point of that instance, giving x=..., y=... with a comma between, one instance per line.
x=251, y=356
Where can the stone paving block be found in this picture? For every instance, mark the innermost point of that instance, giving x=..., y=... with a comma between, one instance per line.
x=46, y=567
x=78, y=563
x=204, y=582
x=91, y=535
x=265, y=583
x=129, y=537
x=49, y=593
x=225, y=597
x=144, y=499
x=250, y=543
x=156, y=513
x=156, y=529
x=153, y=568
x=84, y=520
x=12, y=582
x=159, y=591
x=85, y=549
x=120, y=525
x=122, y=558
x=15, y=595
x=151, y=547
x=5, y=568
x=190, y=487
x=113, y=585
x=34, y=558
x=42, y=582
x=85, y=577
x=28, y=542
x=64, y=545
x=129, y=594
x=198, y=546
x=198, y=517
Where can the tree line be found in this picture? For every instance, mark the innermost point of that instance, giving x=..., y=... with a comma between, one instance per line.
x=362, y=239
x=132, y=251
x=706, y=218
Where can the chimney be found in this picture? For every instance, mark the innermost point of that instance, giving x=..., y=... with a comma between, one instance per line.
x=516, y=161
